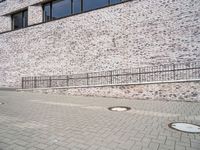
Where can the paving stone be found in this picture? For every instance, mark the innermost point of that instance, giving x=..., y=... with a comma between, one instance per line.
x=61, y=122
x=180, y=147
x=154, y=146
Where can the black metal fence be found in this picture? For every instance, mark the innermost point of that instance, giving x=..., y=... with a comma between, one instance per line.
x=166, y=72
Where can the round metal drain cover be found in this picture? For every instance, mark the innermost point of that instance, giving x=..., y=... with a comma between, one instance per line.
x=185, y=127
x=119, y=108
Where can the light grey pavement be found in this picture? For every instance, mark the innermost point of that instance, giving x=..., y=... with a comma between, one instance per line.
x=38, y=121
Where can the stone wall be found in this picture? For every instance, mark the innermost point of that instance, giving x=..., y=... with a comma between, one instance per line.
x=177, y=91
x=135, y=33
x=10, y=6
x=5, y=23
x=7, y=8
x=34, y=14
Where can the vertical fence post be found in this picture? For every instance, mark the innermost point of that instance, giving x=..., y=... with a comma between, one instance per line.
x=22, y=82
x=87, y=78
x=139, y=73
x=50, y=81
x=111, y=79
x=67, y=80
x=174, y=74
x=35, y=80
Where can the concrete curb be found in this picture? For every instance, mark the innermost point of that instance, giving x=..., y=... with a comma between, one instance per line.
x=8, y=89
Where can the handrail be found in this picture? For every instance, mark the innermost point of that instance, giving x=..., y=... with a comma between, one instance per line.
x=166, y=72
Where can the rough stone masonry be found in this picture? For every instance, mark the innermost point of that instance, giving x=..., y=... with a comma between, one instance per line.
x=135, y=33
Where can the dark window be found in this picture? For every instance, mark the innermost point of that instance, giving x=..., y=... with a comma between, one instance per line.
x=115, y=1
x=17, y=21
x=57, y=9
x=94, y=4
x=76, y=6
x=20, y=20
x=60, y=8
x=25, y=19
x=47, y=12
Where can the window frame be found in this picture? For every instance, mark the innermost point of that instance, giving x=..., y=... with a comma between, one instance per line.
x=51, y=12
x=110, y=3
x=54, y=11
x=43, y=14
x=42, y=3
x=72, y=7
x=85, y=9
x=23, y=22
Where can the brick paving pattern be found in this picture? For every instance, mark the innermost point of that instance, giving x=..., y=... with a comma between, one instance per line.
x=31, y=121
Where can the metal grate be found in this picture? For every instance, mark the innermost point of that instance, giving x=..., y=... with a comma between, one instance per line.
x=166, y=72
x=119, y=108
x=185, y=127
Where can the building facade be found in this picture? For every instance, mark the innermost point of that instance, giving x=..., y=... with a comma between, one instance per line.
x=40, y=37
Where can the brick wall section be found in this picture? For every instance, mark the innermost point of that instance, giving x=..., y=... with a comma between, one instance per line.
x=10, y=6
x=183, y=91
x=5, y=23
x=132, y=34
x=34, y=14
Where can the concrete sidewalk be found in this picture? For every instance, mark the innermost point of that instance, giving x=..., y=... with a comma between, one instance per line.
x=31, y=121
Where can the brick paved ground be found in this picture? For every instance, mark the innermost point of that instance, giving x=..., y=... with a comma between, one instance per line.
x=35, y=121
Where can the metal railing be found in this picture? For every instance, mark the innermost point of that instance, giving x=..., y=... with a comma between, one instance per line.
x=161, y=73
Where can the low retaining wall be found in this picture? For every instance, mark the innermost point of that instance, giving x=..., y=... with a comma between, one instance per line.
x=173, y=91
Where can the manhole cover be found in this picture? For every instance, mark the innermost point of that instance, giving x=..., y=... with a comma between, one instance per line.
x=185, y=127
x=119, y=108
